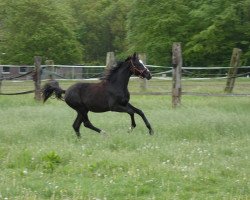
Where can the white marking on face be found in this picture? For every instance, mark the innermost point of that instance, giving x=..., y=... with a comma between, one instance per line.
x=143, y=65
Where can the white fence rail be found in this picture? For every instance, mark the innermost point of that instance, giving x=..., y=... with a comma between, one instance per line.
x=95, y=72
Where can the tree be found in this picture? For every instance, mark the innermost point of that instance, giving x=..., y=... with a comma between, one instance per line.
x=208, y=30
x=42, y=28
x=223, y=25
x=101, y=27
x=69, y=30
x=154, y=26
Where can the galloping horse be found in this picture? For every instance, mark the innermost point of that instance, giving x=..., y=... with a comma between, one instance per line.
x=110, y=94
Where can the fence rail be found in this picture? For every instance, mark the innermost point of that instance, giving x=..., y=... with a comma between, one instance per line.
x=85, y=72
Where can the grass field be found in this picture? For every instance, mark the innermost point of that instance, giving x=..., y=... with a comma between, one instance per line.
x=199, y=151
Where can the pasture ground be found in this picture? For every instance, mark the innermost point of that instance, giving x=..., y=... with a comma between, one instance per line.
x=199, y=151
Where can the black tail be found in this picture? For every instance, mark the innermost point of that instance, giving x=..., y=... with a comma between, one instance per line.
x=52, y=88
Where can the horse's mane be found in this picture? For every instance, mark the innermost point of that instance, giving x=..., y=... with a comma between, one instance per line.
x=112, y=70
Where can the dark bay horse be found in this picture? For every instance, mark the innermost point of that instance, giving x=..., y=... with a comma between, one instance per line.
x=110, y=94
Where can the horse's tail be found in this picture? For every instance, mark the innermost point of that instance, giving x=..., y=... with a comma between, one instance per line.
x=52, y=88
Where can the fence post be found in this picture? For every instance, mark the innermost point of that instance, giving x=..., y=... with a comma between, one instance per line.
x=1, y=78
x=37, y=77
x=232, y=72
x=1, y=74
x=110, y=60
x=143, y=82
x=176, y=74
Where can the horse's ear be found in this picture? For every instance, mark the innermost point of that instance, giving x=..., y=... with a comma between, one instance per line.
x=135, y=55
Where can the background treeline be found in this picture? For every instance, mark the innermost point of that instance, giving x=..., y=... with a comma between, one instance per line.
x=82, y=31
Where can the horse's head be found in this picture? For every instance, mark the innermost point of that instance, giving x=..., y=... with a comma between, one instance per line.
x=138, y=68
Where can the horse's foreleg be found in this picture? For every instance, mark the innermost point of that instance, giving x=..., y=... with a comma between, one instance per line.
x=139, y=112
x=131, y=110
x=125, y=109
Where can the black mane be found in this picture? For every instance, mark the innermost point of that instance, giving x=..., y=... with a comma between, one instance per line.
x=112, y=70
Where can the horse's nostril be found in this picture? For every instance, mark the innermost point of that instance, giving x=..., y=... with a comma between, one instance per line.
x=149, y=76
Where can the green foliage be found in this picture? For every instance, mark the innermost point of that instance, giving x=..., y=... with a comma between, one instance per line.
x=154, y=26
x=38, y=28
x=75, y=31
x=50, y=161
x=208, y=30
x=101, y=27
x=221, y=31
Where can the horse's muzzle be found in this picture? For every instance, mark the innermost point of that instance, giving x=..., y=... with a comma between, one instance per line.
x=148, y=76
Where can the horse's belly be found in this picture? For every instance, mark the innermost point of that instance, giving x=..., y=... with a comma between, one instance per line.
x=98, y=106
x=99, y=109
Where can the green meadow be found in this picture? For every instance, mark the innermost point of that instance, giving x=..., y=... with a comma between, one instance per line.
x=199, y=151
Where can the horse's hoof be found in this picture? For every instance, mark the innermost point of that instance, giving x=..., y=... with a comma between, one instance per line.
x=78, y=135
x=151, y=132
x=130, y=129
x=103, y=133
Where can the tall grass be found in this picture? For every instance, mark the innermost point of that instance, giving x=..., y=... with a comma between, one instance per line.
x=199, y=151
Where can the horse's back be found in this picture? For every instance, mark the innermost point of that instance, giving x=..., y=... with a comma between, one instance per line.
x=74, y=91
x=91, y=96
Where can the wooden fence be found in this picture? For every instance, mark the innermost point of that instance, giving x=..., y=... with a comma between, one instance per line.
x=174, y=75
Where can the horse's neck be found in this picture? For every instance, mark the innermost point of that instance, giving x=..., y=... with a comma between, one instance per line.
x=121, y=79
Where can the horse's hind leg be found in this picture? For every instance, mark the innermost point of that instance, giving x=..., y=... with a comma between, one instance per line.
x=133, y=124
x=77, y=124
x=88, y=124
